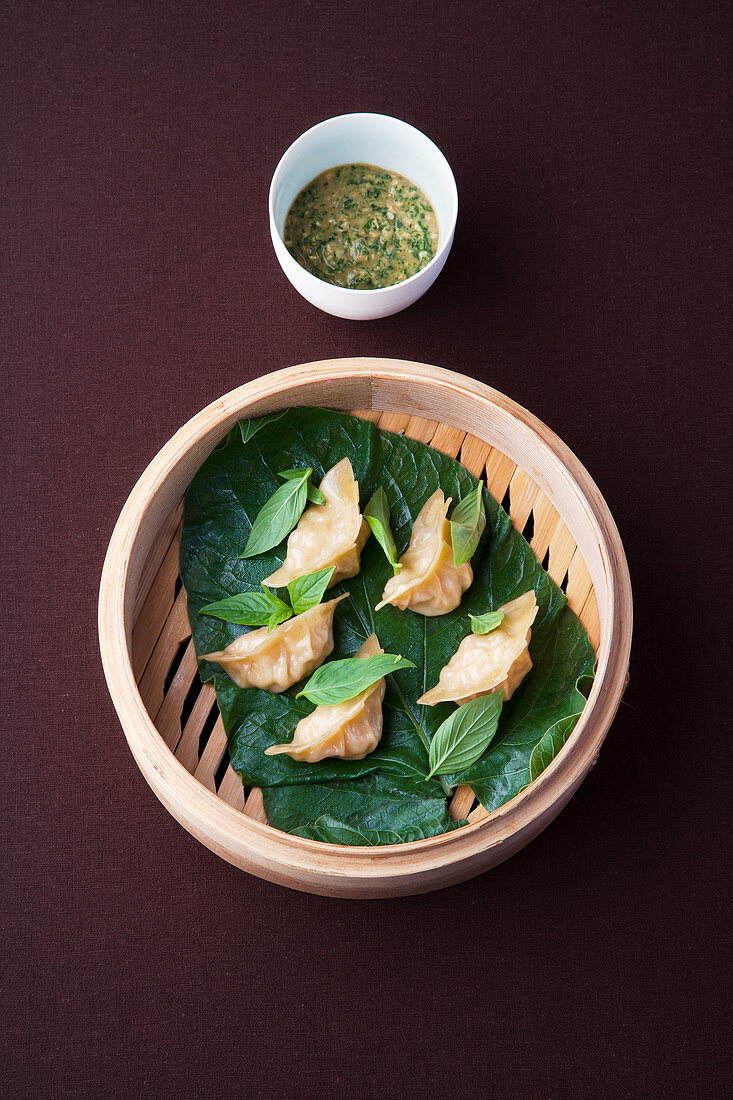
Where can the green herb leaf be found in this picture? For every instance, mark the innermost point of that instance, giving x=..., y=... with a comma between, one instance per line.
x=248, y=428
x=250, y=609
x=465, y=736
x=377, y=515
x=275, y=619
x=467, y=523
x=305, y=592
x=339, y=681
x=315, y=496
x=279, y=516
x=484, y=624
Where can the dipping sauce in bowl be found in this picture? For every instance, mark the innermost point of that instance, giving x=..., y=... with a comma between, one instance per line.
x=365, y=264
x=361, y=227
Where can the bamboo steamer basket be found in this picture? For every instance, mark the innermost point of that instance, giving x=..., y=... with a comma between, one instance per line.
x=171, y=720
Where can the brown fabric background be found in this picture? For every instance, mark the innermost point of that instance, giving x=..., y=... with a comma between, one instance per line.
x=587, y=281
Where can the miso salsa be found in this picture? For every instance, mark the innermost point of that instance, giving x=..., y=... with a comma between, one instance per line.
x=361, y=227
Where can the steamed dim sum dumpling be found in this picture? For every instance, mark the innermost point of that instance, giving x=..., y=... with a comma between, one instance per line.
x=276, y=661
x=327, y=534
x=350, y=730
x=429, y=582
x=483, y=663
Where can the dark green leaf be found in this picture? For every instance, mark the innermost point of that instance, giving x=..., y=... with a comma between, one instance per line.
x=377, y=515
x=329, y=830
x=338, y=681
x=467, y=523
x=250, y=609
x=278, y=517
x=553, y=740
x=315, y=496
x=484, y=624
x=375, y=809
x=465, y=736
x=248, y=428
x=305, y=592
x=544, y=699
x=221, y=502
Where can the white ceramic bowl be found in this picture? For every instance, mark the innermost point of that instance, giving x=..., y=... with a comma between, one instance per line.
x=364, y=139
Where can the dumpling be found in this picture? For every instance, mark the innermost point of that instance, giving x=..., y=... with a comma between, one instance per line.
x=483, y=663
x=350, y=730
x=328, y=534
x=429, y=582
x=276, y=661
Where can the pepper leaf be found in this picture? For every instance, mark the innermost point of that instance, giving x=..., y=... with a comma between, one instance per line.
x=279, y=516
x=373, y=809
x=250, y=609
x=465, y=736
x=305, y=592
x=467, y=523
x=339, y=681
x=378, y=517
x=248, y=428
x=484, y=624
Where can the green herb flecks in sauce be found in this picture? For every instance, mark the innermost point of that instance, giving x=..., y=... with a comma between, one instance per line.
x=361, y=227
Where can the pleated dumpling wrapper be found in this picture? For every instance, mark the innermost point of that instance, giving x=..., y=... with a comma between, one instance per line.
x=350, y=730
x=327, y=534
x=276, y=661
x=483, y=663
x=428, y=581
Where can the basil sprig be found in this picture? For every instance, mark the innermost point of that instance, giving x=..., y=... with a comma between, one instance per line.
x=249, y=609
x=465, y=736
x=279, y=515
x=339, y=681
x=484, y=624
x=305, y=592
x=377, y=515
x=467, y=523
x=315, y=496
x=265, y=608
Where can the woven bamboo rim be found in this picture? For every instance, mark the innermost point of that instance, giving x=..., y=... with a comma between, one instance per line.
x=170, y=718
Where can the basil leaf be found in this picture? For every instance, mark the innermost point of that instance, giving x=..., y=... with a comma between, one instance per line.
x=278, y=517
x=377, y=515
x=248, y=428
x=484, y=624
x=250, y=609
x=315, y=496
x=275, y=620
x=464, y=737
x=467, y=523
x=305, y=592
x=339, y=681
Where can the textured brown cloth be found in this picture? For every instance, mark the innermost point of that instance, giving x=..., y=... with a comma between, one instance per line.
x=588, y=282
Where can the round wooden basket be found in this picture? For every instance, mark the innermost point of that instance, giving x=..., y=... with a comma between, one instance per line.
x=171, y=720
